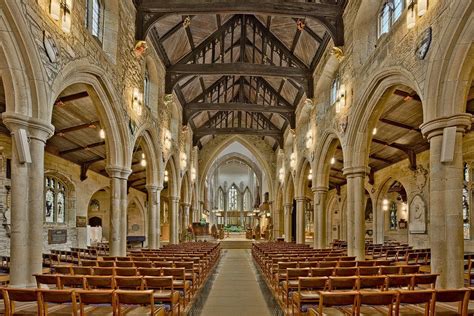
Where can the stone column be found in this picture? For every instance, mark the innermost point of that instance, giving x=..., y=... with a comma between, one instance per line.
x=320, y=235
x=115, y=213
x=158, y=218
x=446, y=185
x=174, y=224
x=186, y=210
x=152, y=215
x=355, y=211
x=124, y=211
x=288, y=210
x=38, y=135
x=300, y=209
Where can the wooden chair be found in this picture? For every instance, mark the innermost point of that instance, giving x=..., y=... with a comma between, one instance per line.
x=126, y=271
x=13, y=295
x=335, y=301
x=129, y=282
x=164, y=292
x=63, y=269
x=106, y=264
x=179, y=282
x=291, y=282
x=368, y=270
x=142, y=301
x=385, y=270
x=106, y=271
x=348, y=283
x=346, y=264
x=100, y=302
x=150, y=271
x=308, y=293
x=460, y=296
x=72, y=281
x=163, y=264
x=80, y=270
x=424, y=280
x=328, y=264
x=369, y=300
x=47, y=280
x=345, y=271
x=375, y=282
x=409, y=269
x=407, y=300
x=322, y=272
x=99, y=282
x=89, y=263
x=65, y=298
x=124, y=264
x=398, y=282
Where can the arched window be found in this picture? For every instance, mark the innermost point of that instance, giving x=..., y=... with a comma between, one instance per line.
x=94, y=14
x=390, y=12
x=247, y=200
x=55, y=201
x=466, y=201
x=146, y=88
x=334, y=90
x=233, y=198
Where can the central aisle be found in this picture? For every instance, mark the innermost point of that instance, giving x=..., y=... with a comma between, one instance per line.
x=235, y=290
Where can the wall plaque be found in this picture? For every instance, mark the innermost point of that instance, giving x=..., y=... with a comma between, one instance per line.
x=81, y=221
x=57, y=236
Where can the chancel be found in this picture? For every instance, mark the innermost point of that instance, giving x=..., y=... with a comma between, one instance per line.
x=196, y=157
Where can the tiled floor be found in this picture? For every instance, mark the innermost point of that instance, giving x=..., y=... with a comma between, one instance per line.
x=236, y=288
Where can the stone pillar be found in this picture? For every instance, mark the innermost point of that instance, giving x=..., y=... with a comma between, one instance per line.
x=288, y=210
x=355, y=211
x=446, y=185
x=320, y=234
x=152, y=215
x=186, y=210
x=174, y=224
x=115, y=213
x=27, y=200
x=158, y=218
x=124, y=211
x=300, y=209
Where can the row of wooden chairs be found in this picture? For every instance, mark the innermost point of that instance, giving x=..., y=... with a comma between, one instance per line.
x=80, y=302
x=433, y=302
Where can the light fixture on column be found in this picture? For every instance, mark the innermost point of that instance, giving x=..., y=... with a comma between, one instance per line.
x=167, y=139
x=333, y=160
x=193, y=174
x=411, y=18
x=166, y=177
x=310, y=174
x=385, y=204
x=143, y=161
x=281, y=174
x=422, y=7
x=137, y=100
x=293, y=160
x=309, y=139
x=183, y=160
x=102, y=133
x=374, y=131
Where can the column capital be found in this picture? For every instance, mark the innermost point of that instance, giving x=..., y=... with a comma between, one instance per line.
x=300, y=199
x=186, y=204
x=435, y=127
x=151, y=187
x=288, y=205
x=118, y=172
x=320, y=189
x=174, y=199
x=37, y=129
x=351, y=172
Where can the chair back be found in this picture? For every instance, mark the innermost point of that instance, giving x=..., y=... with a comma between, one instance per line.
x=424, y=279
x=327, y=264
x=58, y=297
x=124, y=264
x=106, y=271
x=71, y=281
x=163, y=264
x=12, y=295
x=399, y=281
x=129, y=282
x=78, y=270
x=312, y=283
x=158, y=283
x=143, y=264
x=89, y=263
x=47, y=279
x=342, y=283
x=126, y=271
x=322, y=272
x=99, y=282
x=371, y=282
x=346, y=264
x=150, y=271
x=368, y=270
x=63, y=269
x=295, y=273
x=345, y=271
x=142, y=298
x=338, y=299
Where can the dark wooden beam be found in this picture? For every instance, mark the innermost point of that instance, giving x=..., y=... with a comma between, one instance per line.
x=204, y=131
x=68, y=151
x=193, y=109
x=407, y=96
x=406, y=149
x=179, y=72
x=72, y=97
x=76, y=128
x=400, y=125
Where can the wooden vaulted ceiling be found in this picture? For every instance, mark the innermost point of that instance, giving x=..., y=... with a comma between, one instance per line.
x=239, y=67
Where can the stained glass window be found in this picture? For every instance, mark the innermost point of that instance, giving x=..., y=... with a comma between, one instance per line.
x=466, y=201
x=55, y=201
x=247, y=200
x=233, y=197
x=334, y=90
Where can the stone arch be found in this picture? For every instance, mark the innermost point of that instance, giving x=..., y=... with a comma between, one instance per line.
x=146, y=139
x=302, y=176
x=109, y=109
x=451, y=68
x=290, y=189
x=173, y=176
x=325, y=150
x=139, y=218
x=368, y=109
x=204, y=170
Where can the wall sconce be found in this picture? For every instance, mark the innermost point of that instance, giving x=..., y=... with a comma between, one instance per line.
x=374, y=131
x=333, y=160
x=385, y=204
x=143, y=161
x=193, y=174
x=167, y=139
x=102, y=133
x=310, y=174
x=293, y=160
x=183, y=161
x=309, y=139
x=281, y=174
x=137, y=101
x=62, y=8
x=166, y=178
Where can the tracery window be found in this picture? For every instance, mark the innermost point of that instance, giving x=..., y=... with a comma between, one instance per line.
x=390, y=12
x=466, y=201
x=247, y=200
x=146, y=88
x=94, y=16
x=55, y=201
x=334, y=90
x=233, y=197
